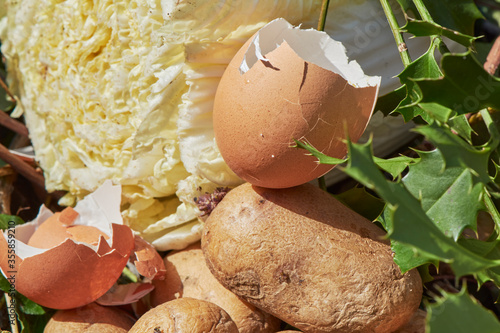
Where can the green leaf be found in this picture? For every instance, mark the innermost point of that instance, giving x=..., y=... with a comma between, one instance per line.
x=29, y=307
x=459, y=15
x=461, y=125
x=423, y=28
x=460, y=313
x=4, y=284
x=9, y=221
x=362, y=202
x=389, y=102
x=33, y=324
x=457, y=152
x=425, y=67
x=409, y=223
x=322, y=158
x=453, y=201
x=394, y=166
x=465, y=87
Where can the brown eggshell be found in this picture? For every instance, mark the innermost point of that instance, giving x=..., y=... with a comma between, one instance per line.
x=70, y=275
x=185, y=315
x=302, y=256
x=258, y=114
x=57, y=228
x=147, y=260
x=91, y=318
x=188, y=276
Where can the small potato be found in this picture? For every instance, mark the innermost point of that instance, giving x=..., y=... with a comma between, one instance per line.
x=187, y=275
x=185, y=315
x=302, y=256
x=91, y=318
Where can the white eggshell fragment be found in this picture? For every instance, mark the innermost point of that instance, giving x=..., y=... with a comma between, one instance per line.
x=284, y=84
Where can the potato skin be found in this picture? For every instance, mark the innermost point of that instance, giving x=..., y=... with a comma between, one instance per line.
x=91, y=318
x=187, y=275
x=416, y=324
x=185, y=315
x=302, y=256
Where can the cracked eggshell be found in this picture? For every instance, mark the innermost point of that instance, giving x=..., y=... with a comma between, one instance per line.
x=70, y=273
x=284, y=84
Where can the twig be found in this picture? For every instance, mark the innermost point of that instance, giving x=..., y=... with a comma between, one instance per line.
x=7, y=90
x=493, y=58
x=22, y=167
x=13, y=323
x=398, y=37
x=322, y=15
x=12, y=124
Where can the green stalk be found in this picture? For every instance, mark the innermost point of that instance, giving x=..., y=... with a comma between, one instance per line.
x=321, y=27
x=491, y=126
x=398, y=37
x=422, y=10
x=322, y=15
x=129, y=274
x=492, y=209
x=426, y=16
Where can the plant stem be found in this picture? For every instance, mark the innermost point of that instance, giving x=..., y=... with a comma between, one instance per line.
x=422, y=10
x=13, y=322
x=490, y=125
x=13, y=124
x=322, y=15
x=22, y=167
x=322, y=183
x=128, y=273
x=398, y=37
x=492, y=209
x=426, y=16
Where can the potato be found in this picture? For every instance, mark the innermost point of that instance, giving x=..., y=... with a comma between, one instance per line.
x=185, y=315
x=91, y=318
x=187, y=275
x=302, y=256
x=416, y=323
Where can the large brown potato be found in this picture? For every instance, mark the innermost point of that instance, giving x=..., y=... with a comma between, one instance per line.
x=302, y=256
x=185, y=315
x=187, y=275
x=91, y=318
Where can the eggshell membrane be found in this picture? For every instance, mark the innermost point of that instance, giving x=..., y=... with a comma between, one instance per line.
x=258, y=114
x=70, y=274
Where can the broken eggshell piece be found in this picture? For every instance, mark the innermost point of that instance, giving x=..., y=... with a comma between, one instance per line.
x=284, y=84
x=72, y=273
